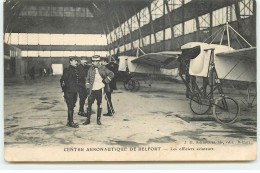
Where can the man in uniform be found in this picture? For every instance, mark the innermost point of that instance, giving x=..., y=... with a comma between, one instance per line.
x=82, y=69
x=112, y=67
x=97, y=77
x=69, y=84
x=32, y=71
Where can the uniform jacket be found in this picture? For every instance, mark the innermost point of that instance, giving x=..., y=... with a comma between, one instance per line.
x=106, y=75
x=70, y=80
x=114, y=68
x=82, y=72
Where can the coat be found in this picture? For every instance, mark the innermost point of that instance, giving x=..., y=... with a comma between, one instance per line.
x=69, y=80
x=82, y=72
x=106, y=75
x=114, y=68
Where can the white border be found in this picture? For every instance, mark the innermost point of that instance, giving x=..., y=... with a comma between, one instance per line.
x=255, y=165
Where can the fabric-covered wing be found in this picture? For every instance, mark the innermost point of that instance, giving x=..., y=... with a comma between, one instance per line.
x=160, y=59
x=238, y=65
x=246, y=54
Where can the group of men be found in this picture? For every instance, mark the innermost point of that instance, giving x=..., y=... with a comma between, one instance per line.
x=90, y=82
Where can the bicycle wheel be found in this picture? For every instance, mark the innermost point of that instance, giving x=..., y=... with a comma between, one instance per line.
x=226, y=110
x=126, y=85
x=137, y=85
x=198, y=105
x=131, y=85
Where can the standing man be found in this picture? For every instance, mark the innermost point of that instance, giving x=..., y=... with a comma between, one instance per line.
x=48, y=71
x=51, y=71
x=69, y=84
x=127, y=73
x=97, y=77
x=44, y=72
x=32, y=73
x=82, y=69
x=40, y=72
x=112, y=67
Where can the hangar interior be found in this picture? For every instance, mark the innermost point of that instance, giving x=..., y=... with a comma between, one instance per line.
x=45, y=33
x=41, y=33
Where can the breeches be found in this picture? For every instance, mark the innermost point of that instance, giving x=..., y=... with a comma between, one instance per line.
x=82, y=98
x=71, y=99
x=109, y=102
x=95, y=95
x=108, y=94
x=83, y=93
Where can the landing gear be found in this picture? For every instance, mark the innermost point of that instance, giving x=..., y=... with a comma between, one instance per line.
x=199, y=105
x=132, y=85
x=226, y=110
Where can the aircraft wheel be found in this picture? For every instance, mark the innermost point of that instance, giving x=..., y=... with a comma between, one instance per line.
x=198, y=105
x=131, y=85
x=226, y=110
x=136, y=84
x=126, y=85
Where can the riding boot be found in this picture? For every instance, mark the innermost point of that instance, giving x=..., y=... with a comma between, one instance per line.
x=108, y=114
x=99, y=115
x=81, y=108
x=70, y=120
x=187, y=94
x=109, y=110
x=88, y=116
x=112, y=109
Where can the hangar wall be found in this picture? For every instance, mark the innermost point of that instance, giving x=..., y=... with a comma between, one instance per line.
x=155, y=25
x=14, y=64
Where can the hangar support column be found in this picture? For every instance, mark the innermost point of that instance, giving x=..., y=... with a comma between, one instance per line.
x=130, y=28
x=152, y=29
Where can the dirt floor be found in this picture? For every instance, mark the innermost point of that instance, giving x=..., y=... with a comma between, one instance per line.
x=35, y=114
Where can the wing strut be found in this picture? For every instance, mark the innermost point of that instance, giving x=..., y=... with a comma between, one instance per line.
x=239, y=35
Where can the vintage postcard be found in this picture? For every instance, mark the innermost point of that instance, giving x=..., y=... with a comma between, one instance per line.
x=130, y=80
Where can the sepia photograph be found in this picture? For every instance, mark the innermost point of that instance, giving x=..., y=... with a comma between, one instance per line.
x=129, y=80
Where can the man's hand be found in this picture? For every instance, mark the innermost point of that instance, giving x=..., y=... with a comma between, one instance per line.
x=63, y=84
x=106, y=81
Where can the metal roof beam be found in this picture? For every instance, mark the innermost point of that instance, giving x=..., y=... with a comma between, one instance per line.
x=65, y=25
x=62, y=47
x=185, y=12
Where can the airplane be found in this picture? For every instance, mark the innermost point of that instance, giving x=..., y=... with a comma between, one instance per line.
x=151, y=63
x=160, y=63
x=230, y=64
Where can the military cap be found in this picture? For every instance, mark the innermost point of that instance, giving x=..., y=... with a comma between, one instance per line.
x=102, y=59
x=96, y=58
x=105, y=59
x=74, y=58
x=83, y=58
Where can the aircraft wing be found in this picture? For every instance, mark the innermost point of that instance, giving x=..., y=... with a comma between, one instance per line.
x=238, y=65
x=246, y=54
x=167, y=59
